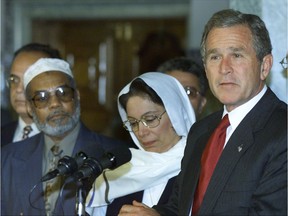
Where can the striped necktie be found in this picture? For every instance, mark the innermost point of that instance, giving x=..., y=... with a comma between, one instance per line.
x=53, y=185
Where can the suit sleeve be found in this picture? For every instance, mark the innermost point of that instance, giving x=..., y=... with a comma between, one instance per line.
x=270, y=197
x=171, y=208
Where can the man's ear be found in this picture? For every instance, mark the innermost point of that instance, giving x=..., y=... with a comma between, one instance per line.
x=266, y=66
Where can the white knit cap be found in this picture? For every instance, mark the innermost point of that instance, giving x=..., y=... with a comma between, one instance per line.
x=43, y=65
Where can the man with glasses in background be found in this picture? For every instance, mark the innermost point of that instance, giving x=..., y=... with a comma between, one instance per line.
x=192, y=77
x=23, y=58
x=54, y=103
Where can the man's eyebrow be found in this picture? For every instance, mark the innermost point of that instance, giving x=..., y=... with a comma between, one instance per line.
x=212, y=51
x=237, y=49
x=233, y=49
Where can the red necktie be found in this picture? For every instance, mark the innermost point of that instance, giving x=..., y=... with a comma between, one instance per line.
x=209, y=160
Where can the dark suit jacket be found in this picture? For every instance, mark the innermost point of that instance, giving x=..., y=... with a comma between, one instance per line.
x=250, y=177
x=22, y=170
x=114, y=208
x=7, y=132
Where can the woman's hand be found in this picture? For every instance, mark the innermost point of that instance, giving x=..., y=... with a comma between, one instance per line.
x=138, y=209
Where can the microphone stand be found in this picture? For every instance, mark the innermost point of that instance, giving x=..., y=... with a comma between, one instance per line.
x=80, y=199
x=83, y=187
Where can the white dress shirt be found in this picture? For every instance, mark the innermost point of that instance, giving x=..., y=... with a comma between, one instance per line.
x=19, y=130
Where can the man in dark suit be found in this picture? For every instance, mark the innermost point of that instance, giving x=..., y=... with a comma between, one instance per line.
x=22, y=59
x=54, y=103
x=250, y=176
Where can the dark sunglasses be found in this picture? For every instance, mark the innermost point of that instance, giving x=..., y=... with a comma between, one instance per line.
x=41, y=99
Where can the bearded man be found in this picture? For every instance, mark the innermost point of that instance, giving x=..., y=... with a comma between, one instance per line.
x=54, y=104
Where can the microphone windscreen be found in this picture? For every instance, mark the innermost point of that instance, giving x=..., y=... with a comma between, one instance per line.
x=121, y=155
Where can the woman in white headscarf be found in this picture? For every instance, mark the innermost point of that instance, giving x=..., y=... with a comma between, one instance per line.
x=157, y=112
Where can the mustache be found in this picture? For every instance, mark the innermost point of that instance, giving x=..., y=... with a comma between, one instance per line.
x=57, y=112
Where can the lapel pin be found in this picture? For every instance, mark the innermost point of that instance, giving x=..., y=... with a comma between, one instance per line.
x=240, y=148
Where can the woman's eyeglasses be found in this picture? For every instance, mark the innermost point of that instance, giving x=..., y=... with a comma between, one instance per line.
x=150, y=121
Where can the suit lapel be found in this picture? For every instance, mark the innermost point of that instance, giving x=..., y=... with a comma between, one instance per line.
x=235, y=148
x=192, y=172
x=30, y=159
x=86, y=142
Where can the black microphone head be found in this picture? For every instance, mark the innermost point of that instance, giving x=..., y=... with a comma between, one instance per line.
x=118, y=156
x=80, y=158
x=66, y=166
x=93, y=167
x=50, y=175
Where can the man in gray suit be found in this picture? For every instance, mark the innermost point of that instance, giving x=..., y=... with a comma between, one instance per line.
x=250, y=177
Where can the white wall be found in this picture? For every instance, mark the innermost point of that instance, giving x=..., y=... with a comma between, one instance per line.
x=274, y=14
x=200, y=13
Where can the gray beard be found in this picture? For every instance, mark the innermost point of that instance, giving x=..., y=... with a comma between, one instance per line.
x=59, y=129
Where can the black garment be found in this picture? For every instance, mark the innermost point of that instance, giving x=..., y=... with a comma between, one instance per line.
x=251, y=174
x=114, y=208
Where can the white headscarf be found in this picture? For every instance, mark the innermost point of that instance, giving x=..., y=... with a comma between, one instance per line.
x=174, y=97
x=148, y=169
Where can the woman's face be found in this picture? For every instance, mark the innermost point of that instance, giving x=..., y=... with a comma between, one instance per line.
x=158, y=139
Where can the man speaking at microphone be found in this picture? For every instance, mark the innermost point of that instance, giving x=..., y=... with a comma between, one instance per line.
x=54, y=104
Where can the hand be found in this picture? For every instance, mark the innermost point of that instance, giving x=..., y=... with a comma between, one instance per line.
x=137, y=209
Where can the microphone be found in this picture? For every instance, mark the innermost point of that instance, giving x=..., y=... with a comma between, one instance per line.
x=110, y=160
x=66, y=165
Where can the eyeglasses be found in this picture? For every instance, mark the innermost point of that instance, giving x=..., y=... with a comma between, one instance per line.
x=284, y=63
x=42, y=98
x=191, y=91
x=13, y=81
x=150, y=121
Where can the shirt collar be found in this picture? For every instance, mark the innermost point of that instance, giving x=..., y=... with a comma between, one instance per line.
x=238, y=114
x=67, y=144
x=22, y=124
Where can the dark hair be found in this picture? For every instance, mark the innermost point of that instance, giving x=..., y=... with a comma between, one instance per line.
x=227, y=18
x=139, y=88
x=37, y=47
x=188, y=65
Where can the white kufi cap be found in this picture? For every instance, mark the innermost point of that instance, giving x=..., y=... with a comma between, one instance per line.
x=44, y=65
